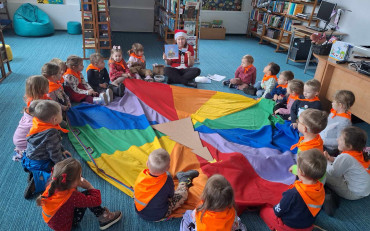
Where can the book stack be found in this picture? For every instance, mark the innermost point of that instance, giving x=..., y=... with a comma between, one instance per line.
x=294, y=8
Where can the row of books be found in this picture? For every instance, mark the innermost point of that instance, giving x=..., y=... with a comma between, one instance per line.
x=273, y=20
x=289, y=22
x=290, y=8
x=167, y=20
x=257, y=15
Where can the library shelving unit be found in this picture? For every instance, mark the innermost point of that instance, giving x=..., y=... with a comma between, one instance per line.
x=96, y=30
x=273, y=22
x=170, y=15
x=3, y=57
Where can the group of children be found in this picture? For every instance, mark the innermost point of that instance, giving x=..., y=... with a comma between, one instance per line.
x=330, y=149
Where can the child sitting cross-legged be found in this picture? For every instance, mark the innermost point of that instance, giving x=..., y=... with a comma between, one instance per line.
x=216, y=211
x=294, y=90
x=303, y=200
x=339, y=118
x=154, y=194
x=280, y=89
x=63, y=206
x=245, y=75
x=269, y=80
x=137, y=63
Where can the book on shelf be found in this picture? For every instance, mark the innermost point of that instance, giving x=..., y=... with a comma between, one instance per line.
x=173, y=6
x=189, y=26
x=171, y=51
x=298, y=9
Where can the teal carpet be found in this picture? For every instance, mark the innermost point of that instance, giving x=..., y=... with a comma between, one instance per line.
x=216, y=57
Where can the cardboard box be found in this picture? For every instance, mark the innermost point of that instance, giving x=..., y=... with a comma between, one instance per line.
x=212, y=33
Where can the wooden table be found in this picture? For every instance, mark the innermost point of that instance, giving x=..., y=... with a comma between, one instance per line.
x=303, y=31
x=335, y=77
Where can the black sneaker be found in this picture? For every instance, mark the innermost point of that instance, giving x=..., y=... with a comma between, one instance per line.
x=121, y=89
x=30, y=189
x=30, y=177
x=187, y=177
x=107, y=219
x=233, y=86
x=226, y=82
x=191, y=84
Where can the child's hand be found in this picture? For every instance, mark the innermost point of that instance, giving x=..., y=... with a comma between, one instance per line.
x=291, y=169
x=90, y=92
x=294, y=125
x=85, y=184
x=103, y=85
x=164, y=56
x=328, y=157
x=280, y=97
x=69, y=105
x=277, y=111
x=67, y=154
x=188, y=53
x=275, y=97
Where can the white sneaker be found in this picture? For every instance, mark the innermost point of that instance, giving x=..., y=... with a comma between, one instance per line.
x=103, y=98
x=109, y=94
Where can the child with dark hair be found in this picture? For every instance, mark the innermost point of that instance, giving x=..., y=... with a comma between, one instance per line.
x=280, y=89
x=294, y=90
x=339, y=118
x=269, y=80
x=300, y=204
x=44, y=144
x=63, y=206
x=348, y=174
x=216, y=210
x=154, y=194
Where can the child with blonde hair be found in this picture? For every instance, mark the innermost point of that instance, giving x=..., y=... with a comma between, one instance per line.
x=62, y=65
x=37, y=87
x=137, y=63
x=245, y=74
x=154, y=194
x=44, y=144
x=269, y=80
x=118, y=69
x=216, y=210
x=339, y=118
x=76, y=86
x=294, y=90
x=63, y=206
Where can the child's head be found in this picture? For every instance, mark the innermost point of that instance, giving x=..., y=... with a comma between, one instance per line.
x=271, y=69
x=36, y=87
x=136, y=48
x=343, y=99
x=312, y=121
x=285, y=77
x=47, y=111
x=295, y=87
x=247, y=60
x=66, y=175
x=311, y=89
x=352, y=138
x=51, y=71
x=60, y=63
x=217, y=195
x=311, y=164
x=97, y=60
x=75, y=63
x=116, y=54
x=158, y=161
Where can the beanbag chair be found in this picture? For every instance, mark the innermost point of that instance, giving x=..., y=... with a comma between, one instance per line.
x=30, y=21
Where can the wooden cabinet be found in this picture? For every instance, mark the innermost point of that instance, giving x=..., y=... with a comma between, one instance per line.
x=3, y=57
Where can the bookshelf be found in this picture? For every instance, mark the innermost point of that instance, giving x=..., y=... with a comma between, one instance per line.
x=96, y=29
x=170, y=15
x=272, y=21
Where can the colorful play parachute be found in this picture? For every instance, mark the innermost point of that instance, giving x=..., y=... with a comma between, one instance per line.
x=249, y=145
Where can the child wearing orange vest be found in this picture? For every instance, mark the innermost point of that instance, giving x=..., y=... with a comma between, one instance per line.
x=216, y=211
x=280, y=90
x=310, y=123
x=154, y=194
x=44, y=144
x=137, y=63
x=118, y=69
x=63, y=206
x=303, y=200
x=269, y=80
x=245, y=74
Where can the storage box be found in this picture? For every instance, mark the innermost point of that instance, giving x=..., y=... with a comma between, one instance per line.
x=271, y=33
x=322, y=49
x=212, y=33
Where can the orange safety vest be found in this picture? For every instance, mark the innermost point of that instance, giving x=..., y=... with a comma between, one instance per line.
x=29, y=100
x=215, y=221
x=317, y=142
x=346, y=115
x=40, y=126
x=146, y=187
x=267, y=77
x=138, y=57
x=360, y=158
x=92, y=67
x=75, y=74
x=118, y=63
x=312, y=194
x=292, y=97
x=247, y=68
x=54, y=86
x=51, y=205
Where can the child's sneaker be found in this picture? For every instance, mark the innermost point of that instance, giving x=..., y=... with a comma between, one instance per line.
x=103, y=98
x=121, y=89
x=187, y=177
x=30, y=189
x=107, y=219
x=109, y=94
x=233, y=86
x=149, y=79
x=226, y=82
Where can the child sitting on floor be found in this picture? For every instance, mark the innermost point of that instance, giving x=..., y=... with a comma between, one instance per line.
x=137, y=63
x=118, y=70
x=269, y=80
x=339, y=118
x=309, y=99
x=62, y=65
x=44, y=144
x=37, y=87
x=294, y=90
x=310, y=123
x=303, y=200
x=154, y=194
x=216, y=210
x=63, y=206
x=245, y=75
x=348, y=174
x=280, y=89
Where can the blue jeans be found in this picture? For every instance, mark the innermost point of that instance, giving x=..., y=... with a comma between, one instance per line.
x=260, y=90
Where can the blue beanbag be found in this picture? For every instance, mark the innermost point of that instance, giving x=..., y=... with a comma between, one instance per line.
x=74, y=27
x=30, y=21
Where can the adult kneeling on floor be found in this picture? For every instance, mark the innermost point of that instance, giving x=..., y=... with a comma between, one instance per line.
x=181, y=70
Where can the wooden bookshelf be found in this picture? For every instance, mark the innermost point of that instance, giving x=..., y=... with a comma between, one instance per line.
x=269, y=13
x=3, y=57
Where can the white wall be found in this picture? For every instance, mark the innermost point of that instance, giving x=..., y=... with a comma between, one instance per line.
x=59, y=14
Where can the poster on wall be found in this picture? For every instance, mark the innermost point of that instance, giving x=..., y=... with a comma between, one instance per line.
x=50, y=1
x=222, y=5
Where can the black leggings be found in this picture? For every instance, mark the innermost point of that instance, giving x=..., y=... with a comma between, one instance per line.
x=80, y=212
x=181, y=75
